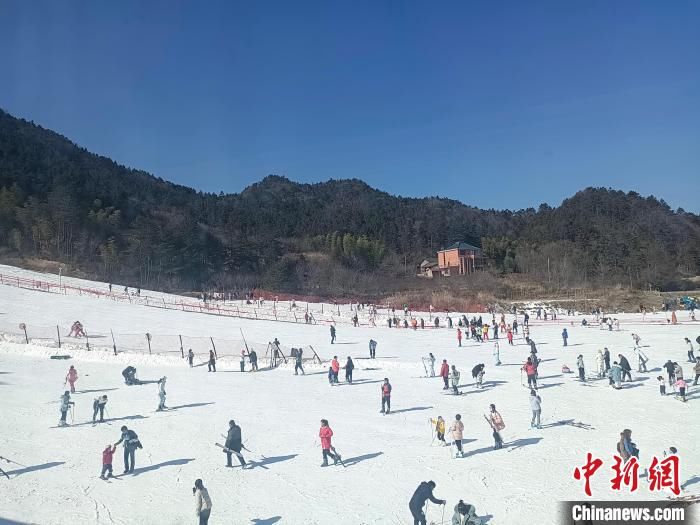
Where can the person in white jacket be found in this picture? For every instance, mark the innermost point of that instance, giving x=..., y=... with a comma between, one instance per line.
x=202, y=502
x=536, y=407
x=641, y=359
x=161, y=394
x=600, y=364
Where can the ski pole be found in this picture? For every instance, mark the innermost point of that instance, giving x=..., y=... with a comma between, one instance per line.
x=442, y=520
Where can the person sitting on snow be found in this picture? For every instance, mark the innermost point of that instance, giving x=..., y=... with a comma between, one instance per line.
x=465, y=514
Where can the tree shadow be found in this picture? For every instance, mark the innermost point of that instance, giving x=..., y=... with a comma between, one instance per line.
x=97, y=390
x=413, y=409
x=269, y=461
x=548, y=385
x=170, y=463
x=33, y=468
x=353, y=461
x=191, y=405
x=266, y=521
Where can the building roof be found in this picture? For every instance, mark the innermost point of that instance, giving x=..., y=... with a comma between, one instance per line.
x=462, y=246
x=427, y=264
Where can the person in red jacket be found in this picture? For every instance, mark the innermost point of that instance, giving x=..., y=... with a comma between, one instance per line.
x=445, y=374
x=71, y=378
x=531, y=371
x=107, y=454
x=386, y=396
x=325, y=433
x=459, y=337
x=335, y=365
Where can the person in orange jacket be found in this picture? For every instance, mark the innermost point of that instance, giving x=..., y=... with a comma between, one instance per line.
x=335, y=366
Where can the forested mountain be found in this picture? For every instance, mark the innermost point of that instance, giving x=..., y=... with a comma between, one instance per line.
x=61, y=202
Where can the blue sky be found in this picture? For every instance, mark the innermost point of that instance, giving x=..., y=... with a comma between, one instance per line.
x=497, y=104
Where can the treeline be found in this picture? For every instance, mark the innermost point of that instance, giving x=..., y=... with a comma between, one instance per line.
x=60, y=202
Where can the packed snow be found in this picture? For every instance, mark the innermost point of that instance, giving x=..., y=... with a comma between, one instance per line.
x=55, y=477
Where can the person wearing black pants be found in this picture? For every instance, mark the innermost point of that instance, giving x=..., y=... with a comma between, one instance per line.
x=234, y=444
x=423, y=493
x=349, y=367
x=386, y=396
x=606, y=358
x=212, y=361
x=99, y=406
x=626, y=368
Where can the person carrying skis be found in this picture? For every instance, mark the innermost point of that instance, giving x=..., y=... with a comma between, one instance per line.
x=465, y=514
x=66, y=403
x=335, y=366
x=642, y=359
x=454, y=378
x=459, y=337
x=386, y=396
x=332, y=334
x=691, y=350
x=581, y=368
x=107, y=455
x=536, y=407
x=202, y=505
x=190, y=357
x=439, y=429
x=326, y=433
x=431, y=360
x=423, y=493
x=372, y=348
x=531, y=370
x=298, y=363
x=71, y=378
x=131, y=443
x=626, y=368
x=565, y=336
x=211, y=366
x=445, y=374
x=234, y=444
x=349, y=367
x=457, y=429
x=161, y=394
x=98, y=405
x=496, y=422
x=478, y=374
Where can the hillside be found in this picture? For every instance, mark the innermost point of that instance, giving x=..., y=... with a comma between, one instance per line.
x=63, y=203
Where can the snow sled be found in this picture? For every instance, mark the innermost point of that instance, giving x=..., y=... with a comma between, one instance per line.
x=565, y=369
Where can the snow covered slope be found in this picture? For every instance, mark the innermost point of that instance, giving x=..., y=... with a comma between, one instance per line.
x=386, y=456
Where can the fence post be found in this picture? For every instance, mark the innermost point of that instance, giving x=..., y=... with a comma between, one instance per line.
x=148, y=338
x=58, y=333
x=182, y=351
x=23, y=326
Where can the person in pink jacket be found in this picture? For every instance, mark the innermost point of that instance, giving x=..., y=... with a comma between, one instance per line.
x=531, y=370
x=71, y=378
x=335, y=365
x=457, y=430
x=326, y=433
x=681, y=385
x=459, y=337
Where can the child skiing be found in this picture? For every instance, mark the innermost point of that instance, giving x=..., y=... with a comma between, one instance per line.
x=439, y=429
x=66, y=403
x=386, y=396
x=326, y=433
x=107, y=454
x=71, y=378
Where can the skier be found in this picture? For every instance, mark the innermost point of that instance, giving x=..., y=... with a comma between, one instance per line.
x=349, y=367
x=439, y=429
x=107, y=455
x=71, y=378
x=98, y=405
x=642, y=359
x=600, y=364
x=691, y=350
x=445, y=374
x=161, y=394
x=454, y=378
x=457, y=429
x=636, y=339
x=326, y=433
x=681, y=385
x=131, y=443
x=581, y=368
x=431, y=360
x=478, y=374
x=423, y=493
x=606, y=358
x=459, y=337
x=531, y=371
x=497, y=353
x=332, y=334
x=615, y=375
x=66, y=403
x=253, y=358
x=564, y=336
x=626, y=368
x=234, y=444
x=536, y=407
x=372, y=348
x=298, y=363
x=190, y=357
x=212, y=362
x=386, y=396
x=497, y=424
x=465, y=514
x=202, y=502
x=669, y=366
x=335, y=365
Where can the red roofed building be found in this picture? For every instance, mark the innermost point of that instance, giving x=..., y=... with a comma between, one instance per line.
x=459, y=259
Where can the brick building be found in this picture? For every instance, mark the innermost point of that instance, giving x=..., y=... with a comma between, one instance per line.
x=459, y=259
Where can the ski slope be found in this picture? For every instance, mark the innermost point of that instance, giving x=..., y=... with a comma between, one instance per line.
x=386, y=456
